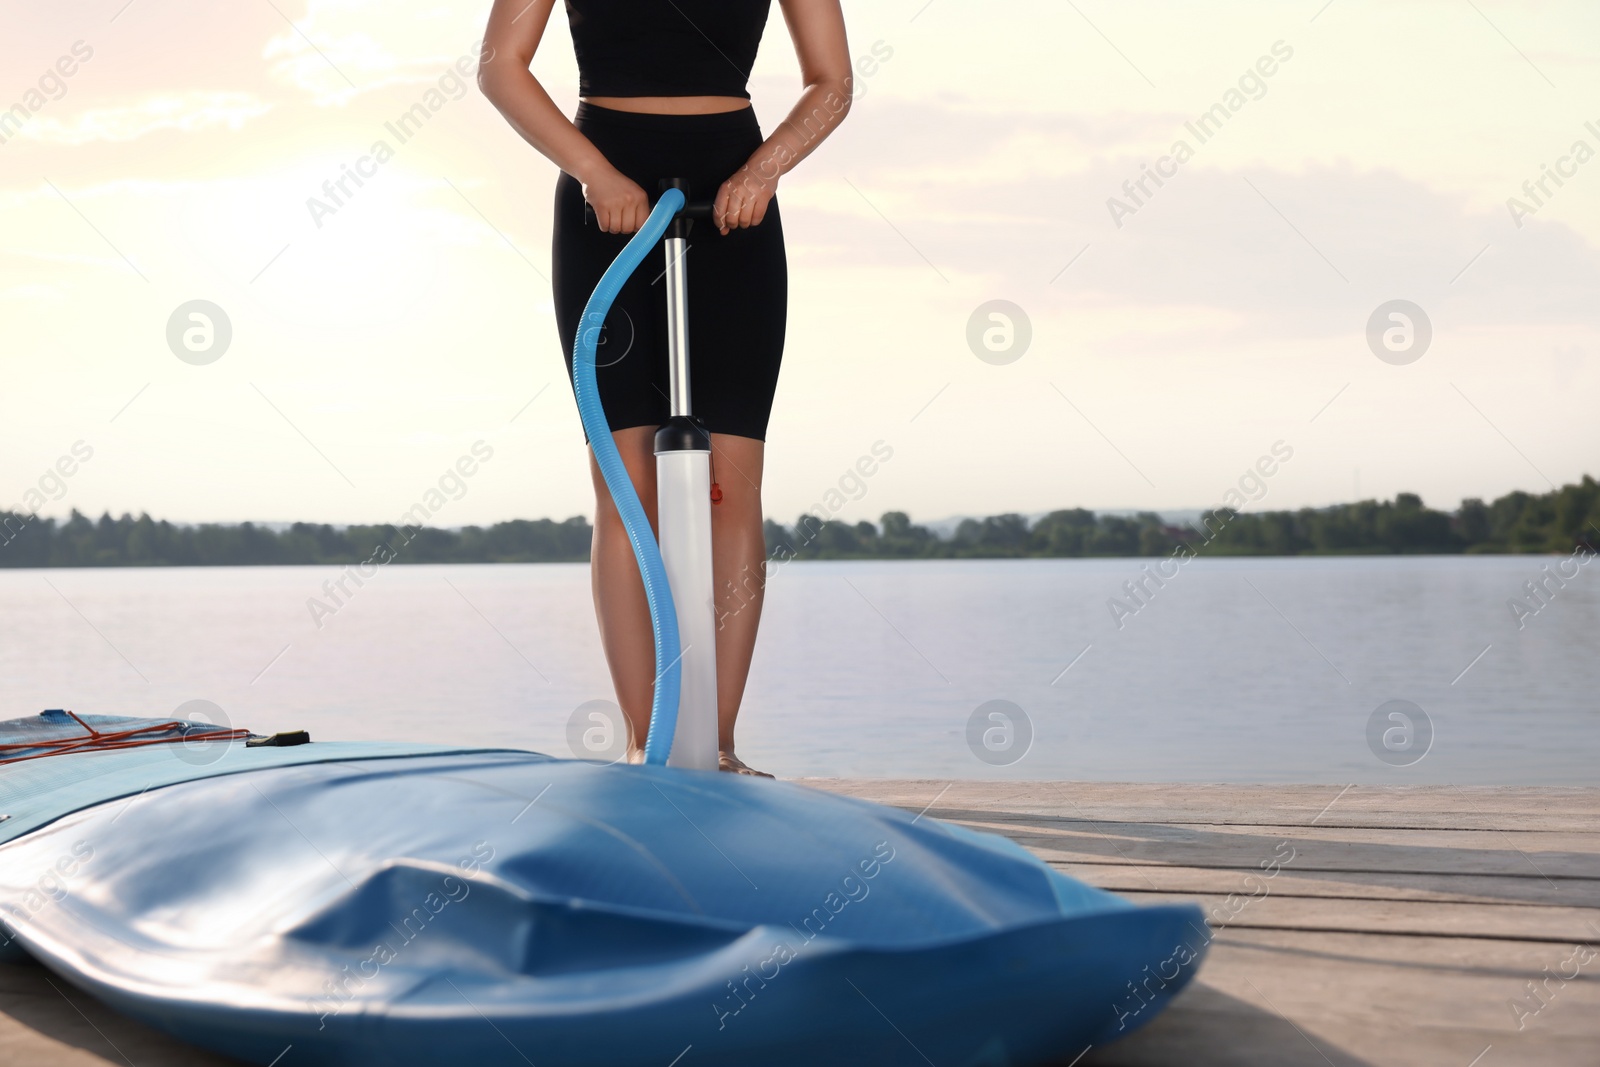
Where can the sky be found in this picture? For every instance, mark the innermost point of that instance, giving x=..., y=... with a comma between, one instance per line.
x=1154, y=344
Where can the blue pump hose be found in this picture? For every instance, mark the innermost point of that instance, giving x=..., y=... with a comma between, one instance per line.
x=663, y=615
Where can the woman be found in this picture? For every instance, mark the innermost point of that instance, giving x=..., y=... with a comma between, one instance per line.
x=662, y=85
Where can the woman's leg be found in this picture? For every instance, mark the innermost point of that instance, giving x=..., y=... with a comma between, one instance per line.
x=619, y=601
x=739, y=561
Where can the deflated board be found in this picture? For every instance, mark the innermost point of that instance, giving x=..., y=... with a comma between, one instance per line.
x=506, y=908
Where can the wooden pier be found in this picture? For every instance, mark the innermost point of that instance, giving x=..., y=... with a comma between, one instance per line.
x=1439, y=926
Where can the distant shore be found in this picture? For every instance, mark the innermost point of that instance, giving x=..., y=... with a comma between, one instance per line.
x=1565, y=520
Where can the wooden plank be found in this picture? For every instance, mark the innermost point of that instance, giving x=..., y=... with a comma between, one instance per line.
x=1444, y=807
x=1391, y=918
x=1532, y=842
x=1266, y=820
x=1150, y=797
x=1276, y=997
x=1373, y=885
x=1184, y=847
x=1420, y=956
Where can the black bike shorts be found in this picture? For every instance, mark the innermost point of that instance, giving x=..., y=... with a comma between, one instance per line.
x=738, y=284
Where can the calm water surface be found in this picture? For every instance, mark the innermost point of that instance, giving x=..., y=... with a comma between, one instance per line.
x=1258, y=670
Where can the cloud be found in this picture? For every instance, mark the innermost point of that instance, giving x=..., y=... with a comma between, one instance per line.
x=187, y=112
x=1240, y=248
x=341, y=49
x=43, y=294
x=944, y=140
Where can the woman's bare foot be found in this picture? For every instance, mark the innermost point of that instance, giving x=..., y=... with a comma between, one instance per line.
x=727, y=761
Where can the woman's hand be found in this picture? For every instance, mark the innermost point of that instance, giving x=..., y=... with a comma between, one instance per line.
x=620, y=206
x=742, y=201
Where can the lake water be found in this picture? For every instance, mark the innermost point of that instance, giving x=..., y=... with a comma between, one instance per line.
x=1252, y=670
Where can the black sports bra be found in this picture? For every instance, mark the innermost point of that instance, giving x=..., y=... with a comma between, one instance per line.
x=666, y=47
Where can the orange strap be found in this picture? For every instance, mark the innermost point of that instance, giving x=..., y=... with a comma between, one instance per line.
x=98, y=741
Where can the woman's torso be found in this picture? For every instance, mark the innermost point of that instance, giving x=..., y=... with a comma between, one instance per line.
x=674, y=57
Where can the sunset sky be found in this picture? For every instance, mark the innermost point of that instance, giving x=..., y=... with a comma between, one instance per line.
x=1176, y=336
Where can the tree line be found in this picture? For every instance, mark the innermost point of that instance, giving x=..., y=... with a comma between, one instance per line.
x=1557, y=521
x=129, y=542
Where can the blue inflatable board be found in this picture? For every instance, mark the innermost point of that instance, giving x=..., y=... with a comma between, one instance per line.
x=403, y=904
